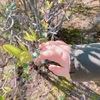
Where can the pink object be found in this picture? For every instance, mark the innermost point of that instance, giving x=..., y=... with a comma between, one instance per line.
x=56, y=51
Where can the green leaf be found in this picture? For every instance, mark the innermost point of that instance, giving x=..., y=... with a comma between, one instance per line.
x=32, y=37
x=27, y=34
x=24, y=75
x=45, y=25
x=25, y=57
x=68, y=13
x=42, y=10
x=8, y=89
x=25, y=65
x=28, y=38
x=7, y=75
x=2, y=98
x=42, y=40
x=44, y=35
x=12, y=50
x=33, y=33
x=19, y=64
x=26, y=70
x=48, y=4
x=23, y=47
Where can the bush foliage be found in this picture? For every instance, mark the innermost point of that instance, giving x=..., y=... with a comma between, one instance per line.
x=24, y=24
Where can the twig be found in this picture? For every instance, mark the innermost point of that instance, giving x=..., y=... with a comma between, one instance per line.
x=12, y=23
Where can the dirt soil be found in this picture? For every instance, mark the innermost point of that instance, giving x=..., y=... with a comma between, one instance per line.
x=85, y=18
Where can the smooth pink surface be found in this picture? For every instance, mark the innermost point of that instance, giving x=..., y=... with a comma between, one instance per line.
x=57, y=51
